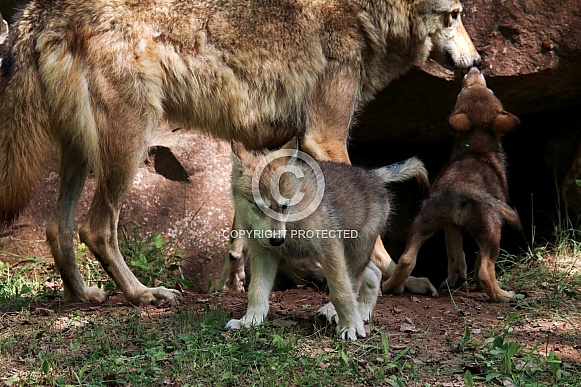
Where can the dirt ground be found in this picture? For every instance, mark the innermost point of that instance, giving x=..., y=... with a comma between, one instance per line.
x=438, y=322
x=433, y=326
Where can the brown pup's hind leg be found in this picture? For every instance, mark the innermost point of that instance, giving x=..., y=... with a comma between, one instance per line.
x=489, y=249
x=456, y=259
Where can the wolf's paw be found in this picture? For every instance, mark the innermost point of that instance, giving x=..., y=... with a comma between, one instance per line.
x=420, y=285
x=351, y=333
x=479, y=286
x=89, y=294
x=234, y=324
x=503, y=296
x=389, y=287
x=328, y=313
x=246, y=321
x=366, y=311
x=232, y=285
x=154, y=296
x=453, y=283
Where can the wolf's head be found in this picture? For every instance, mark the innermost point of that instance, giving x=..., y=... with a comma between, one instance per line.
x=265, y=186
x=450, y=44
x=478, y=114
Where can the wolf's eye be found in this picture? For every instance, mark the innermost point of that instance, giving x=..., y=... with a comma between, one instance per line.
x=455, y=14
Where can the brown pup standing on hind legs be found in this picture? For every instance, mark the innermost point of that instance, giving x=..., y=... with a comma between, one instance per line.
x=469, y=194
x=93, y=79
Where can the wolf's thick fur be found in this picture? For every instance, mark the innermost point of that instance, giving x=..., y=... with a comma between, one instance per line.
x=470, y=193
x=354, y=201
x=95, y=77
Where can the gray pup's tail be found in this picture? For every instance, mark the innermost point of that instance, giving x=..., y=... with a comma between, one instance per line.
x=405, y=170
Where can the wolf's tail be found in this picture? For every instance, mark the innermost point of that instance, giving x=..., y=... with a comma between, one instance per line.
x=506, y=212
x=3, y=29
x=24, y=123
x=405, y=170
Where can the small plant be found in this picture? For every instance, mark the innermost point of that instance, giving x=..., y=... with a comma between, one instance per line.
x=510, y=363
x=154, y=262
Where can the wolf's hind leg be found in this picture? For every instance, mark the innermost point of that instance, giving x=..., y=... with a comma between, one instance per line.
x=420, y=231
x=489, y=248
x=416, y=285
x=368, y=291
x=59, y=232
x=456, y=259
x=122, y=149
x=233, y=275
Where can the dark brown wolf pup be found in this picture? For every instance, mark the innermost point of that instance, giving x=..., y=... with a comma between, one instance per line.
x=470, y=194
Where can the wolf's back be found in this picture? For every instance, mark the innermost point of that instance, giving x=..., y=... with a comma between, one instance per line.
x=24, y=121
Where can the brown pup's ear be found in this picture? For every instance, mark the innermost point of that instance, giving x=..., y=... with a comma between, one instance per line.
x=505, y=122
x=460, y=122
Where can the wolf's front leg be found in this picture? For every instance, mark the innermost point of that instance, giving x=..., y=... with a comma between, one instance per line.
x=341, y=293
x=263, y=271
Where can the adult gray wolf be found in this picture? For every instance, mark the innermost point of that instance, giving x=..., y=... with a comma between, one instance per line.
x=94, y=78
x=290, y=208
x=470, y=193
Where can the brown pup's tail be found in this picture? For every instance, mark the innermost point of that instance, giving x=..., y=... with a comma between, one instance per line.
x=506, y=212
x=405, y=170
x=24, y=123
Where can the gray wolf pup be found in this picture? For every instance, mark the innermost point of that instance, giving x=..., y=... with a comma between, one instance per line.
x=351, y=207
x=94, y=78
x=470, y=193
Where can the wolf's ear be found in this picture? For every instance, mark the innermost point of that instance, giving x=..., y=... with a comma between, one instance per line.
x=505, y=122
x=293, y=144
x=460, y=122
x=239, y=154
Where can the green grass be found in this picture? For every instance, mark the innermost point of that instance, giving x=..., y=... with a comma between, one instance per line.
x=192, y=349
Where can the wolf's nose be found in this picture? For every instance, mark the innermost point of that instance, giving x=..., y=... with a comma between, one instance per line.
x=277, y=241
x=473, y=70
x=477, y=62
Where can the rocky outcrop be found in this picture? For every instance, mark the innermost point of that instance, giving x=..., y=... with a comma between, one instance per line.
x=531, y=51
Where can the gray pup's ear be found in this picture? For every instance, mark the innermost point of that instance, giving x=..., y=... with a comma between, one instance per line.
x=293, y=144
x=460, y=122
x=239, y=155
x=505, y=122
